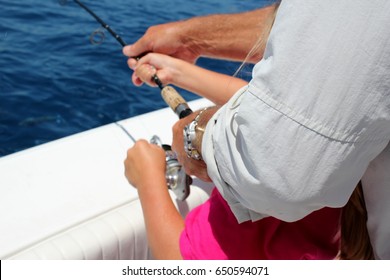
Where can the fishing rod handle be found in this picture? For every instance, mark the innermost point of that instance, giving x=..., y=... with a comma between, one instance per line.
x=175, y=101
x=168, y=93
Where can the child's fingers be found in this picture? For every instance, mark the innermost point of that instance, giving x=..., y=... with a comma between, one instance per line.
x=136, y=81
x=145, y=72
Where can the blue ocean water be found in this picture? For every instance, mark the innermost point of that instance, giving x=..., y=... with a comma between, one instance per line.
x=54, y=82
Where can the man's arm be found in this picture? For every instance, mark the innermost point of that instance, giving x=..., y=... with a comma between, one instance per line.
x=226, y=36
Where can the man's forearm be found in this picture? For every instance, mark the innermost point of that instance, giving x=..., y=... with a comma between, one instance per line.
x=227, y=36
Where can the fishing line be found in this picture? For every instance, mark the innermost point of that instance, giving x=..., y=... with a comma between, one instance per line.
x=125, y=131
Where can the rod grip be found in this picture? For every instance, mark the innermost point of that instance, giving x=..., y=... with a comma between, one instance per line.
x=175, y=101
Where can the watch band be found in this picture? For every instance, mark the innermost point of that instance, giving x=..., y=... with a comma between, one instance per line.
x=189, y=134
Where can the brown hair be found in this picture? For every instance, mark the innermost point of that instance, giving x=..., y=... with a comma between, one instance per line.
x=355, y=242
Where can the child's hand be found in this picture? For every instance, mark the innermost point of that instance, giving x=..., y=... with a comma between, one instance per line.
x=165, y=67
x=145, y=165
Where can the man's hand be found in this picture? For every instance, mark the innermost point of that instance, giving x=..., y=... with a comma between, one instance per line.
x=168, y=38
x=225, y=36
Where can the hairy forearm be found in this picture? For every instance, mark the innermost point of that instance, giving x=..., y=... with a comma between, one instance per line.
x=164, y=223
x=228, y=36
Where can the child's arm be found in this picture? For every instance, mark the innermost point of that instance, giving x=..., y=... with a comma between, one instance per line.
x=145, y=170
x=211, y=85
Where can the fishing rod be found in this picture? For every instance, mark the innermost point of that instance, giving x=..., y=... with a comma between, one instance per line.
x=177, y=180
x=170, y=95
x=104, y=25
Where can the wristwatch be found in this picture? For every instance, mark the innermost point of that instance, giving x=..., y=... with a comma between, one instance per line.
x=189, y=138
x=189, y=134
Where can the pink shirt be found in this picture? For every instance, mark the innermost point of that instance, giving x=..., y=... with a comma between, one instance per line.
x=212, y=232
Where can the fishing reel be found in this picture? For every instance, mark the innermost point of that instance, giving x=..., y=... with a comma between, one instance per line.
x=177, y=180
